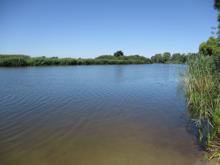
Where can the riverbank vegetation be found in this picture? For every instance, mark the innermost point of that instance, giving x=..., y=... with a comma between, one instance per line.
x=202, y=82
x=117, y=58
x=21, y=60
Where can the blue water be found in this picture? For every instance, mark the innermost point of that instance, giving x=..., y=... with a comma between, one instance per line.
x=94, y=115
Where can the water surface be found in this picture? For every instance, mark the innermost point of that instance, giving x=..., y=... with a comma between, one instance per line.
x=94, y=115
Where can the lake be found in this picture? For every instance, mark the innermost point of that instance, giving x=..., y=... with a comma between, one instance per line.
x=95, y=115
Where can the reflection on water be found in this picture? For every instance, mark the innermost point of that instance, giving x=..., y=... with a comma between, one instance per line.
x=94, y=115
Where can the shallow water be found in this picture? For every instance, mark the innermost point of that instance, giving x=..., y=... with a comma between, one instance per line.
x=94, y=115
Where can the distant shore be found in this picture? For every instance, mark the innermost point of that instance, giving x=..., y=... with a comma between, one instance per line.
x=24, y=60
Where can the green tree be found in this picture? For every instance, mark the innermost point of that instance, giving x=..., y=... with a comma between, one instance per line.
x=157, y=58
x=210, y=48
x=217, y=4
x=119, y=54
x=166, y=57
x=178, y=58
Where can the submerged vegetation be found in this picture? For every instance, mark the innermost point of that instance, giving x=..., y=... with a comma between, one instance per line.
x=117, y=58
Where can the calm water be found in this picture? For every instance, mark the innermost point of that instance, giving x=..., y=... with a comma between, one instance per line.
x=94, y=115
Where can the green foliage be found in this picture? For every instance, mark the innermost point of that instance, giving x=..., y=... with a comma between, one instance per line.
x=157, y=58
x=118, y=53
x=166, y=57
x=14, y=60
x=217, y=4
x=17, y=60
x=202, y=81
x=202, y=93
x=106, y=57
x=133, y=59
x=178, y=58
x=117, y=58
x=211, y=47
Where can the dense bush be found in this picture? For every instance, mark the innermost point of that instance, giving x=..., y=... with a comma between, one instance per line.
x=211, y=47
x=15, y=60
x=167, y=58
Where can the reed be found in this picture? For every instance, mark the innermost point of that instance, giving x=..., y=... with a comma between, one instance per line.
x=202, y=93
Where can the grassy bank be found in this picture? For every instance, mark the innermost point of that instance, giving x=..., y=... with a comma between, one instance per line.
x=203, y=95
x=202, y=82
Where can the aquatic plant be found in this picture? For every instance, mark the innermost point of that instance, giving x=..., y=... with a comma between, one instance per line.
x=203, y=98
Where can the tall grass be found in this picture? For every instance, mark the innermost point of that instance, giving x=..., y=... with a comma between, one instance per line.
x=202, y=92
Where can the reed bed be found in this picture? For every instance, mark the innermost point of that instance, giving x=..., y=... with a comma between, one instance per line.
x=203, y=98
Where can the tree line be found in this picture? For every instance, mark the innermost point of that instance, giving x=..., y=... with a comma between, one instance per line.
x=117, y=58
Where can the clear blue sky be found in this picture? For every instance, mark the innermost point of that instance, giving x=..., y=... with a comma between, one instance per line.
x=88, y=28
